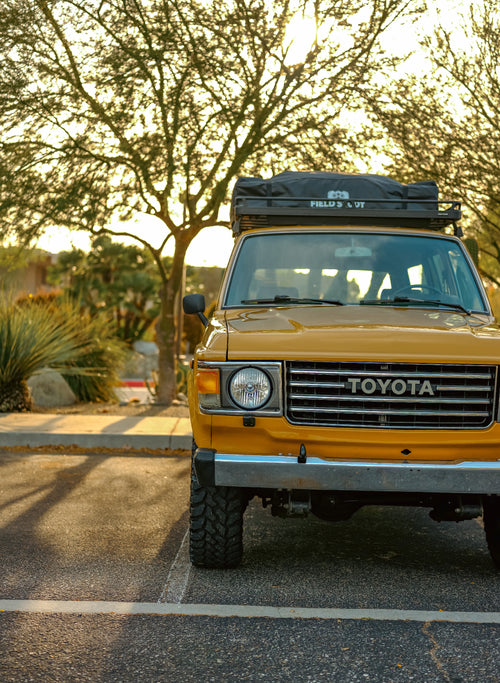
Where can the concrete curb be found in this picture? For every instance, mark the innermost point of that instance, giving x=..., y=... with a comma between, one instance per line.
x=94, y=431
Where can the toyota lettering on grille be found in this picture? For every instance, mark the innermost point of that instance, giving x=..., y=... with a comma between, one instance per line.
x=398, y=387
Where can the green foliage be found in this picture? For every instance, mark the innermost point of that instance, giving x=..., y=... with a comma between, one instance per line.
x=113, y=108
x=105, y=352
x=32, y=337
x=13, y=258
x=116, y=280
x=37, y=334
x=156, y=105
x=443, y=122
x=122, y=282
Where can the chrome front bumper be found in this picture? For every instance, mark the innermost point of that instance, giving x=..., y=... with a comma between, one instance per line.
x=285, y=472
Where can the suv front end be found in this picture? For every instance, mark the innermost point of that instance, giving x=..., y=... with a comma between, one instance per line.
x=344, y=366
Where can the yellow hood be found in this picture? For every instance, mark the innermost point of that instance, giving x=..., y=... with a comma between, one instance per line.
x=361, y=333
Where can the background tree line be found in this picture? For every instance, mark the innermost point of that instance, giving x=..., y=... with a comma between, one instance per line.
x=100, y=303
x=113, y=107
x=122, y=282
x=110, y=107
x=445, y=123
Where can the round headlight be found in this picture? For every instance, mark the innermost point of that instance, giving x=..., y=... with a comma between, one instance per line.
x=250, y=388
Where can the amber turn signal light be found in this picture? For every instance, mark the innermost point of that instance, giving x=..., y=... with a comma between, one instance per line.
x=208, y=381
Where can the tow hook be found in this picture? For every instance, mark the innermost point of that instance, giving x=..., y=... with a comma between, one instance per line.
x=302, y=455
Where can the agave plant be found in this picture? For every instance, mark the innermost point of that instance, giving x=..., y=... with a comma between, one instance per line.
x=95, y=372
x=35, y=336
x=31, y=339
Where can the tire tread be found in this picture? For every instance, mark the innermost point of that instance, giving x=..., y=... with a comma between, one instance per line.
x=216, y=525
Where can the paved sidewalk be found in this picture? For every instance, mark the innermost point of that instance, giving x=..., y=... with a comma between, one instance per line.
x=94, y=431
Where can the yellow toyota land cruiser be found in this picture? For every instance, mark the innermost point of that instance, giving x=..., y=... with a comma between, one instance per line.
x=352, y=360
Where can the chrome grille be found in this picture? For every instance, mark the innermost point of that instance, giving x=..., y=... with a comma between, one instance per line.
x=395, y=395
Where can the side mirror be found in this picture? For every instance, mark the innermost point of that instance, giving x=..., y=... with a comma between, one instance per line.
x=194, y=304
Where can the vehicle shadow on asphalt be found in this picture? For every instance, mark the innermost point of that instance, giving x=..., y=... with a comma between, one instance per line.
x=396, y=558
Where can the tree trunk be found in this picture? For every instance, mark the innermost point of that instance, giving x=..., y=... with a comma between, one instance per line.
x=166, y=333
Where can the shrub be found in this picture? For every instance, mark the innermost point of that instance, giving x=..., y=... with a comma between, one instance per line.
x=105, y=354
x=36, y=334
x=32, y=338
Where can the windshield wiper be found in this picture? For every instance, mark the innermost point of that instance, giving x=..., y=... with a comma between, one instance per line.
x=411, y=300
x=285, y=299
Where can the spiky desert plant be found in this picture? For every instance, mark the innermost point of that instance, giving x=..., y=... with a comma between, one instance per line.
x=104, y=352
x=34, y=337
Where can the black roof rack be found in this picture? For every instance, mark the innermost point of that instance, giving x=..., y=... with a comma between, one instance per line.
x=326, y=198
x=249, y=213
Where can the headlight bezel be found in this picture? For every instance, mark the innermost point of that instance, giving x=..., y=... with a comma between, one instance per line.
x=257, y=385
x=227, y=405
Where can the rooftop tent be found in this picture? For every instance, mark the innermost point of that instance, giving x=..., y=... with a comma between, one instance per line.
x=323, y=198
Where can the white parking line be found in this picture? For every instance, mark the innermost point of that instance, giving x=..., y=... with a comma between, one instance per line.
x=241, y=611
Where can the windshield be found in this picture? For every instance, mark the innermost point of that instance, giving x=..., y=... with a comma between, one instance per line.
x=352, y=268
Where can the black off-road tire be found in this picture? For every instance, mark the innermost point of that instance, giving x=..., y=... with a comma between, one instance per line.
x=491, y=519
x=216, y=525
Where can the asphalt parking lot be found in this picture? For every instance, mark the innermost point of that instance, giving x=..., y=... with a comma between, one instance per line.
x=96, y=585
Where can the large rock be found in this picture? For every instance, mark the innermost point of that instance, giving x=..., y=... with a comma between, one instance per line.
x=141, y=365
x=50, y=389
x=145, y=347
